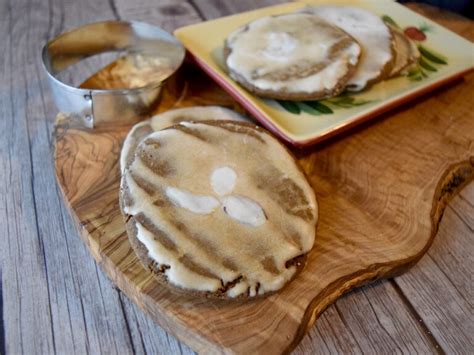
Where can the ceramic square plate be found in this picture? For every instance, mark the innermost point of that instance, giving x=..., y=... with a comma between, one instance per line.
x=445, y=56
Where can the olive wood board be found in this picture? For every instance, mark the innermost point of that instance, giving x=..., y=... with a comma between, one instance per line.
x=381, y=189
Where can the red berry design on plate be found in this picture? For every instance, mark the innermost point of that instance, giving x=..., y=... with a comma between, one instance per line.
x=415, y=34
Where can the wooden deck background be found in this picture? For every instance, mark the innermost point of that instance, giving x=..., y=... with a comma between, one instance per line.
x=56, y=300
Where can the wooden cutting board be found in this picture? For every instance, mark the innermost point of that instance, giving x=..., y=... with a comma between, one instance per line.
x=381, y=190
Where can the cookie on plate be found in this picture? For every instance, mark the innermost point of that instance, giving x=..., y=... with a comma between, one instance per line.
x=294, y=56
x=169, y=118
x=406, y=53
x=218, y=209
x=371, y=33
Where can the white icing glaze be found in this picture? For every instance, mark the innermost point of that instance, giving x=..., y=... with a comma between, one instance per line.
x=195, y=203
x=223, y=180
x=282, y=43
x=181, y=276
x=243, y=210
x=166, y=119
x=238, y=289
x=211, y=238
x=164, y=256
x=371, y=33
x=129, y=144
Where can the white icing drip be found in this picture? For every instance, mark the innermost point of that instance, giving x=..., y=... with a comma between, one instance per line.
x=278, y=281
x=252, y=292
x=371, y=33
x=326, y=79
x=195, y=203
x=283, y=42
x=145, y=204
x=129, y=144
x=243, y=210
x=238, y=289
x=180, y=275
x=223, y=180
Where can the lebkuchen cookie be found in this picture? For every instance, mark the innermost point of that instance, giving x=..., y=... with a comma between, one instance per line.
x=169, y=118
x=218, y=209
x=371, y=33
x=294, y=56
x=406, y=53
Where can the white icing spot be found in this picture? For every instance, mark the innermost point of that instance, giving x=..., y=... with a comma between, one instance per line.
x=223, y=180
x=195, y=203
x=279, y=45
x=243, y=210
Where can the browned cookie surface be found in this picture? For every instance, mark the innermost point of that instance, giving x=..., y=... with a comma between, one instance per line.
x=169, y=118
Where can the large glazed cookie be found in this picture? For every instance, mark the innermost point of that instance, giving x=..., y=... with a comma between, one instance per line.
x=169, y=118
x=372, y=34
x=218, y=209
x=292, y=57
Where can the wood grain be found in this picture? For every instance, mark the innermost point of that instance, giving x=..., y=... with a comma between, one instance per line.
x=326, y=336
x=381, y=190
x=439, y=288
x=55, y=299
x=448, y=266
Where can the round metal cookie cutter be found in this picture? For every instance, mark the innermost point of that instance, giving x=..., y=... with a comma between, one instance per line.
x=92, y=107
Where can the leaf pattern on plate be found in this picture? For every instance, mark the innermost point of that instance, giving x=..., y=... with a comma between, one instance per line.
x=428, y=63
x=429, y=60
x=322, y=107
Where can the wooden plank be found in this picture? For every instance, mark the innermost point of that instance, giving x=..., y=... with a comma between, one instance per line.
x=381, y=322
x=50, y=282
x=440, y=286
x=90, y=323
x=26, y=302
x=382, y=336
x=211, y=9
x=149, y=337
x=464, y=204
x=329, y=335
x=70, y=285
x=167, y=14
x=372, y=319
x=454, y=255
